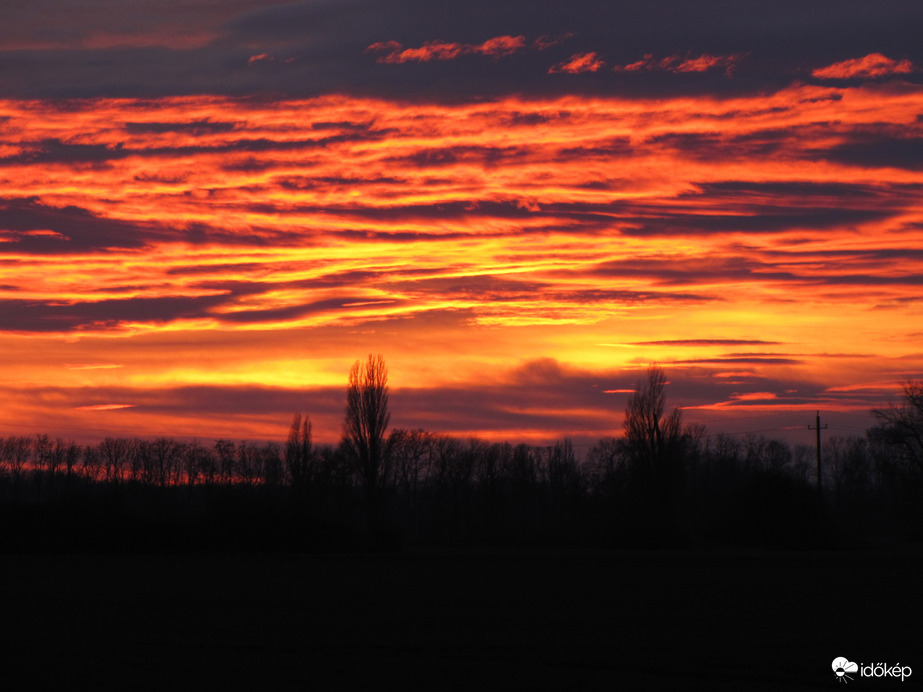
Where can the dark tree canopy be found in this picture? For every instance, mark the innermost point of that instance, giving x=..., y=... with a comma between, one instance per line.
x=899, y=434
x=654, y=449
x=367, y=418
x=653, y=438
x=298, y=450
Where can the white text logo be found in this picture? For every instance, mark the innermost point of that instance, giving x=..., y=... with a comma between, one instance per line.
x=842, y=667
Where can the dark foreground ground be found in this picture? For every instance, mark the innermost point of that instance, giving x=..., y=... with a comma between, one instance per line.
x=458, y=621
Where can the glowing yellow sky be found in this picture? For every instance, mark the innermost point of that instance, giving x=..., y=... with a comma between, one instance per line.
x=207, y=266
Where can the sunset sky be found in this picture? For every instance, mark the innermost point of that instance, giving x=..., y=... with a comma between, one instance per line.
x=210, y=209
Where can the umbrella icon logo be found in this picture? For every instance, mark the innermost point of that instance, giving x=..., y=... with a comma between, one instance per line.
x=842, y=666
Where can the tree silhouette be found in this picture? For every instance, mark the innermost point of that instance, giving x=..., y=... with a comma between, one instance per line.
x=654, y=444
x=899, y=435
x=115, y=453
x=226, y=463
x=15, y=453
x=298, y=451
x=367, y=418
x=653, y=439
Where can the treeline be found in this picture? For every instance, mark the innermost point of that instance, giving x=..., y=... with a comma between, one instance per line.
x=440, y=490
x=659, y=484
x=159, y=462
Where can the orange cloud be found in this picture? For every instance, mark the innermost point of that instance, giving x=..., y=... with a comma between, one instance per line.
x=678, y=64
x=705, y=62
x=578, y=63
x=226, y=253
x=501, y=46
x=871, y=66
x=395, y=53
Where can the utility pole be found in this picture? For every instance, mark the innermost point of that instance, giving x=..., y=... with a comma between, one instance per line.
x=818, y=428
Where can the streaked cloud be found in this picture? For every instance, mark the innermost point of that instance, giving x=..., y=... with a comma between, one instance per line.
x=578, y=63
x=681, y=64
x=868, y=67
x=392, y=52
x=546, y=42
x=706, y=342
x=260, y=58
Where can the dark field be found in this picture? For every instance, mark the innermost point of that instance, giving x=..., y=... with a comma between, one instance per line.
x=458, y=620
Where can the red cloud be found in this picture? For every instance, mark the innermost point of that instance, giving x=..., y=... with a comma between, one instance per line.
x=579, y=62
x=872, y=65
x=497, y=47
x=501, y=46
x=678, y=65
x=703, y=63
x=545, y=42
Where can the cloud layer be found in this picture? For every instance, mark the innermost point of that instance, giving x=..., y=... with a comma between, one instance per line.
x=446, y=50
x=201, y=228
